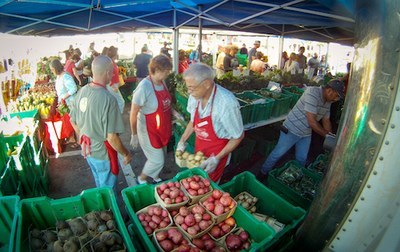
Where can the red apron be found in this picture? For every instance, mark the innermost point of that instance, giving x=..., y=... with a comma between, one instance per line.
x=112, y=153
x=207, y=141
x=158, y=124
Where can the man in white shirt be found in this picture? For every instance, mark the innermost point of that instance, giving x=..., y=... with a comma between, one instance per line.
x=215, y=118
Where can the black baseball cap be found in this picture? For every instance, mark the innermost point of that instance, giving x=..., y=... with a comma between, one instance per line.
x=338, y=86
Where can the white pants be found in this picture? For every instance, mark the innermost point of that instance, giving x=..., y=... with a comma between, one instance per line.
x=155, y=157
x=117, y=94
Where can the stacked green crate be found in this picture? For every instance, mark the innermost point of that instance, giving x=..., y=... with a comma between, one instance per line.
x=319, y=165
x=266, y=139
x=9, y=183
x=246, y=110
x=141, y=196
x=3, y=154
x=244, y=151
x=43, y=213
x=297, y=186
x=261, y=106
x=8, y=222
x=270, y=204
x=181, y=103
x=282, y=101
x=294, y=92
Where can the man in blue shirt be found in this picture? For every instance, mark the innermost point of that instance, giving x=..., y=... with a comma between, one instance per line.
x=141, y=63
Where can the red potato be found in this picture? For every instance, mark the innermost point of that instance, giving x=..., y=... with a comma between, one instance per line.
x=197, y=209
x=147, y=218
x=148, y=230
x=156, y=219
x=190, y=220
x=206, y=237
x=192, y=192
x=192, y=231
x=196, y=226
x=226, y=228
x=164, y=213
x=168, y=201
x=206, y=182
x=244, y=236
x=167, y=245
x=176, y=237
x=215, y=232
x=179, y=219
x=150, y=210
x=178, y=199
x=233, y=242
x=153, y=225
x=167, y=191
x=144, y=223
x=218, y=249
x=174, y=212
x=219, y=209
x=184, y=226
x=162, y=235
x=203, y=224
x=141, y=217
x=185, y=184
x=190, y=179
x=226, y=200
x=210, y=200
x=163, y=196
x=170, y=184
x=201, y=191
x=198, y=243
x=163, y=224
x=184, y=211
x=194, y=185
x=209, y=244
x=230, y=221
x=198, y=217
x=183, y=248
x=177, y=184
x=216, y=194
x=206, y=217
x=162, y=187
x=174, y=193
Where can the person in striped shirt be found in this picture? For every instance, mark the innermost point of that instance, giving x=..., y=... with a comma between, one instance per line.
x=312, y=107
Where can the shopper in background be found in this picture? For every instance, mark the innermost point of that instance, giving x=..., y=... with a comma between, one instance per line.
x=292, y=66
x=165, y=50
x=231, y=62
x=66, y=89
x=314, y=105
x=79, y=65
x=104, y=51
x=115, y=83
x=284, y=58
x=219, y=64
x=141, y=63
x=150, y=118
x=183, y=61
x=252, y=52
x=257, y=65
x=214, y=117
x=96, y=120
x=243, y=50
x=313, y=64
x=301, y=59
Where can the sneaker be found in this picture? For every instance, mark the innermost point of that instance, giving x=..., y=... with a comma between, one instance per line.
x=140, y=182
x=157, y=180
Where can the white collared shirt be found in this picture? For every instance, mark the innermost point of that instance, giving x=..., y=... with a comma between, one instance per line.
x=226, y=117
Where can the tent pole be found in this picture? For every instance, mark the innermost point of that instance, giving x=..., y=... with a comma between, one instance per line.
x=176, y=51
x=281, y=41
x=175, y=61
x=200, y=34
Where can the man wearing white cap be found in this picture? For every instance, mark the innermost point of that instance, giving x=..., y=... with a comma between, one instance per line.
x=252, y=52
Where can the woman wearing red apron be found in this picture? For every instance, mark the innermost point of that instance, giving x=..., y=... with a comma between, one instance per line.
x=215, y=119
x=151, y=118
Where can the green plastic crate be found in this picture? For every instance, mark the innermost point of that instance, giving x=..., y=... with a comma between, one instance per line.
x=244, y=151
x=181, y=103
x=282, y=101
x=294, y=92
x=3, y=154
x=8, y=222
x=259, y=112
x=9, y=184
x=269, y=203
x=319, y=165
x=286, y=191
x=246, y=110
x=43, y=212
x=136, y=198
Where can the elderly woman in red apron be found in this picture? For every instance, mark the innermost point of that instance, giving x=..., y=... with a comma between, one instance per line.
x=215, y=119
x=150, y=118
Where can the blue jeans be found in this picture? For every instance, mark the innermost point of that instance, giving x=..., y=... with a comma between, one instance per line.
x=285, y=142
x=102, y=174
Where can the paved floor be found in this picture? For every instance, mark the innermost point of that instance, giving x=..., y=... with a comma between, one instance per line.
x=69, y=173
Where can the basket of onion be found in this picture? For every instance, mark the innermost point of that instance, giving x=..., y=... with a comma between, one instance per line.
x=237, y=240
x=170, y=195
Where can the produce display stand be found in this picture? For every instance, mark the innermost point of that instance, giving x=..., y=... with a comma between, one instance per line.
x=8, y=222
x=270, y=204
x=43, y=212
x=138, y=197
x=286, y=191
